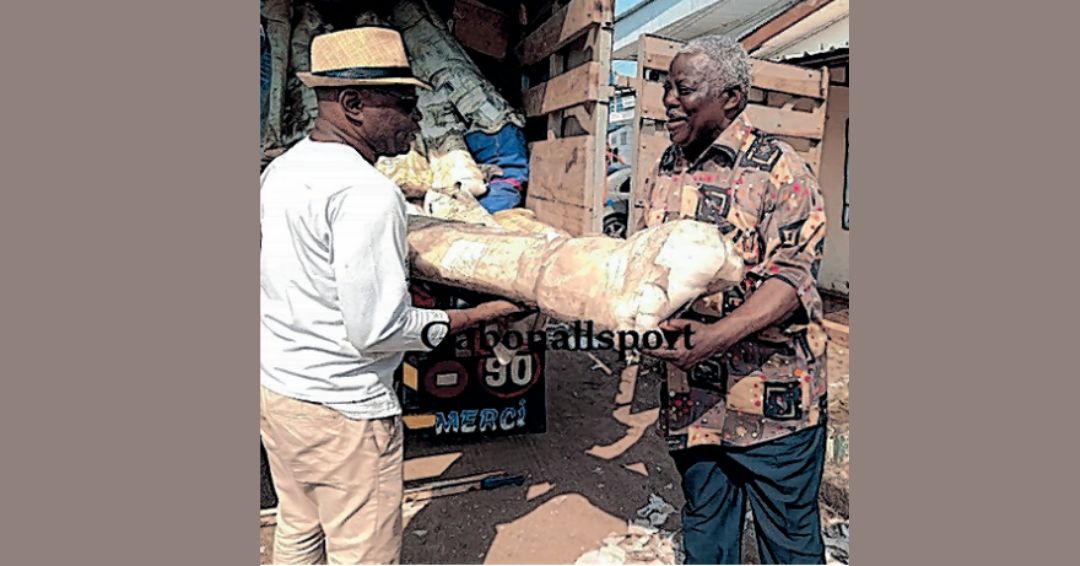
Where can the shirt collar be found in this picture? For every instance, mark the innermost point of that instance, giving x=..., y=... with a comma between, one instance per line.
x=729, y=143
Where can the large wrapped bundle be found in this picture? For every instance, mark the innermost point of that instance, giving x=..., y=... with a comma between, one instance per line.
x=457, y=167
x=455, y=203
x=440, y=60
x=409, y=171
x=618, y=284
x=278, y=30
x=524, y=220
x=301, y=106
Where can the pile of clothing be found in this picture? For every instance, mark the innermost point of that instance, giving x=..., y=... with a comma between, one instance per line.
x=471, y=138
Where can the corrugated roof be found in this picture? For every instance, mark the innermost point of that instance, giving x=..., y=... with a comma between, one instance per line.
x=687, y=19
x=822, y=31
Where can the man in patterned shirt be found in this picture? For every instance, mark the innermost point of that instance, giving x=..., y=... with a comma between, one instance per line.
x=744, y=408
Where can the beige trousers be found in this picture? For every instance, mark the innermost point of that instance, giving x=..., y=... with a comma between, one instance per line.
x=338, y=482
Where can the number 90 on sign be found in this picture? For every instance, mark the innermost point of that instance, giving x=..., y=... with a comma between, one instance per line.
x=512, y=379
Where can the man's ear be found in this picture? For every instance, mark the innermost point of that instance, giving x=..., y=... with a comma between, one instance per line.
x=735, y=102
x=352, y=102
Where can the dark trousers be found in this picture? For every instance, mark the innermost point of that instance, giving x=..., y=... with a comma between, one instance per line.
x=780, y=479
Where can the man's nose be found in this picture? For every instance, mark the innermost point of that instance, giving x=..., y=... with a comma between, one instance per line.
x=670, y=100
x=416, y=114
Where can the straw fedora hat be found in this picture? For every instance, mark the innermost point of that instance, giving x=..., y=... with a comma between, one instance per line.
x=359, y=56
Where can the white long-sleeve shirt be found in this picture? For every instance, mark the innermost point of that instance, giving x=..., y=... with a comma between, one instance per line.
x=337, y=316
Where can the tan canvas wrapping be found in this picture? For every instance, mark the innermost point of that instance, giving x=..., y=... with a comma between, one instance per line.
x=409, y=171
x=618, y=284
x=524, y=220
x=454, y=203
x=456, y=167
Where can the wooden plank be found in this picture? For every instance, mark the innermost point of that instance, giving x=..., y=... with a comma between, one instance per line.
x=482, y=28
x=560, y=169
x=622, y=81
x=584, y=115
x=554, y=120
x=781, y=22
x=563, y=26
x=650, y=146
x=786, y=78
x=787, y=122
x=596, y=187
x=575, y=86
x=658, y=52
x=651, y=101
x=562, y=216
x=582, y=49
x=649, y=142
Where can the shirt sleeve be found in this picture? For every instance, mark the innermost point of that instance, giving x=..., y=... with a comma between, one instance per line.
x=368, y=253
x=794, y=231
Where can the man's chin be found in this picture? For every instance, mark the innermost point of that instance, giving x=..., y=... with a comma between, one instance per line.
x=678, y=137
x=680, y=141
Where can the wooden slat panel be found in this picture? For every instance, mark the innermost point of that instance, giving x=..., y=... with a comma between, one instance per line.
x=562, y=27
x=651, y=101
x=659, y=52
x=787, y=122
x=562, y=216
x=482, y=28
x=650, y=146
x=786, y=78
x=584, y=115
x=559, y=170
x=765, y=74
x=581, y=84
x=602, y=40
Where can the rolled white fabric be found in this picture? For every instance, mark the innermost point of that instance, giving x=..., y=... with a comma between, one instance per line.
x=631, y=284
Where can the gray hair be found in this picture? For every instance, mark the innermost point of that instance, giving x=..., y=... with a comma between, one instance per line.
x=727, y=64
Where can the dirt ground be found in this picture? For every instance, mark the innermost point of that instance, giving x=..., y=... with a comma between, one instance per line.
x=586, y=477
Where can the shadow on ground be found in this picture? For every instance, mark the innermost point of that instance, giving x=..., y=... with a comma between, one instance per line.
x=585, y=478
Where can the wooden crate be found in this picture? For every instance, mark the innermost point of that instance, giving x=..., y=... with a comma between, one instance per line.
x=786, y=101
x=482, y=28
x=566, y=59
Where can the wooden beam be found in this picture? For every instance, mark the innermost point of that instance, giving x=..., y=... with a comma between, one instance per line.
x=658, y=52
x=580, y=84
x=481, y=28
x=653, y=53
x=651, y=101
x=565, y=217
x=583, y=115
x=600, y=39
x=562, y=27
x=786, y=78
x=781, y=22
x=787, y=122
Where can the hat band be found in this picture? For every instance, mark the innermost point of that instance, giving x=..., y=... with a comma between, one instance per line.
x=368, y=73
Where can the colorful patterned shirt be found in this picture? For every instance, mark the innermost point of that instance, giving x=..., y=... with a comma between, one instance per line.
x=761, y=194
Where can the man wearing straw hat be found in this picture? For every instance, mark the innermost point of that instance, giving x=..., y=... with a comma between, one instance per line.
x=336, y=312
